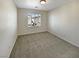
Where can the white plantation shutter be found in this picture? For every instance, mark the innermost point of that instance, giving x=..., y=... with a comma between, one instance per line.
x=29, y=21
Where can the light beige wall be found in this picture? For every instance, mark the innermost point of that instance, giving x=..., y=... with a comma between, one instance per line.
x=64, y=22
x=8, y=25
x=23, y=25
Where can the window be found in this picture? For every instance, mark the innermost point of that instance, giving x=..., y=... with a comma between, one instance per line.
x=34, y=20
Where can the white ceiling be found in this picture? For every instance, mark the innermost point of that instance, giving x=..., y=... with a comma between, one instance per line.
x=31, y=4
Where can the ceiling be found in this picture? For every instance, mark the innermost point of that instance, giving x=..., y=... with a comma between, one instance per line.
x=35, y=4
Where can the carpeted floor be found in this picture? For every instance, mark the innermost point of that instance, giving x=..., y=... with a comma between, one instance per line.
x=43, y=45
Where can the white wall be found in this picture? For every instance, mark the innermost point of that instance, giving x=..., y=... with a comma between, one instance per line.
x=8, y=24
x=23, y=25
x=64, y=22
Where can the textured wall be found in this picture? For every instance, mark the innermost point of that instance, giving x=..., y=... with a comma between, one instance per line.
x=23, y=25
x=64, y=22
x=8, y=25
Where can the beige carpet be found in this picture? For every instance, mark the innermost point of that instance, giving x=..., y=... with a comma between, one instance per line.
x=43, y=45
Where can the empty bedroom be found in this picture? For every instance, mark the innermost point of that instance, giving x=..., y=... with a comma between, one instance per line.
x=39, y=28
